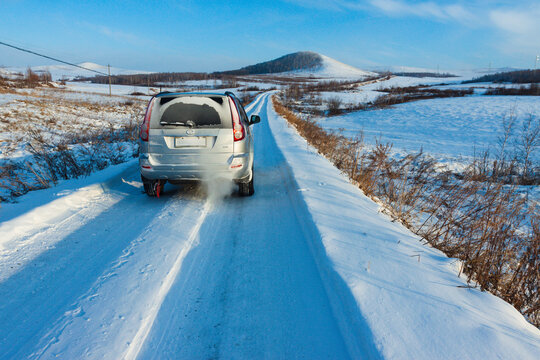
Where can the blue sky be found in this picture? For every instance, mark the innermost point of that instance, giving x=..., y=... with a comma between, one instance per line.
x=222, y=35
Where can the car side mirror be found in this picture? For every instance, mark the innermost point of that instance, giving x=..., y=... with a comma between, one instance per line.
x=254, y=119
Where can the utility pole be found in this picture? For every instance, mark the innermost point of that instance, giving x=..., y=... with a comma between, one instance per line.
x=109, y=68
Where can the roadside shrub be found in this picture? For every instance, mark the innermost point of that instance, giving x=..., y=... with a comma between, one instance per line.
x=31, y=78
x=512, y=161
x=70, y=157
x=333, y=106
x=45, y=77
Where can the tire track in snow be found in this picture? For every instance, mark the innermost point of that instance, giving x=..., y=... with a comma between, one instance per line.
x=138, y=340
x=41, y=303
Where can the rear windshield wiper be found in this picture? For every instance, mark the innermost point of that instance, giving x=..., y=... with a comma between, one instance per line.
x=172, y=123
x=189, y=123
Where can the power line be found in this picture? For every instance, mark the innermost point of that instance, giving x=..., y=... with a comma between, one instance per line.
x=51, y=58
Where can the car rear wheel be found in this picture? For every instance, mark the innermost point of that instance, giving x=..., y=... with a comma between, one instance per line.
x=152, y=187
x=247, y=189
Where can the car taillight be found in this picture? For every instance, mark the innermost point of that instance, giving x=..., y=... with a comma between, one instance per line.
x=238, y=129
x=145, y=126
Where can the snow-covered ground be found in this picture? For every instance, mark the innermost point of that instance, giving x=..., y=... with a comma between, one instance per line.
x=403, y=81
x=449, y=129
x=306, y=268
x=368, y=91
x=371, y=92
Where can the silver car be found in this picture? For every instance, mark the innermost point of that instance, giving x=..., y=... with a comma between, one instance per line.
x=193, y=136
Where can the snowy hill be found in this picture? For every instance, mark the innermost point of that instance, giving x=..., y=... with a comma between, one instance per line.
x=70, y=72
x=333, y=68
x=303, y=63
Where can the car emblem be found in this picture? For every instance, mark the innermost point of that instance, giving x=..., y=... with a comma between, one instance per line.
x=190, y=131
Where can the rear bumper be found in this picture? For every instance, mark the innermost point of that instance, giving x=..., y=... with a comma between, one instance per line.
x=237, y=168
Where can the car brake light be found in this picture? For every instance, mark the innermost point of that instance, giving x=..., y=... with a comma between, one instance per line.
x=145, y=126
x=238, y=129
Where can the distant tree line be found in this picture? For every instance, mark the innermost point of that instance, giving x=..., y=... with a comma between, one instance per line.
x=424, y=74
x=516, y=77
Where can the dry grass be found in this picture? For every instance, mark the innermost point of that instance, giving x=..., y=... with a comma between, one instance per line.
x=479, y=222
x=60, y=137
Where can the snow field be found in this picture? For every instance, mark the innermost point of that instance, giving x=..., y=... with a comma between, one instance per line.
x=449, y=129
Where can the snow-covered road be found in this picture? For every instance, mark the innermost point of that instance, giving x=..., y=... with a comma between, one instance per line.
x=96, y=269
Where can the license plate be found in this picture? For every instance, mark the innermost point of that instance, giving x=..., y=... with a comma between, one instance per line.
x=190, y=141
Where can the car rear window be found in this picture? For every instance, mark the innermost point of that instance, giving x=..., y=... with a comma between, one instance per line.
x=191, y=112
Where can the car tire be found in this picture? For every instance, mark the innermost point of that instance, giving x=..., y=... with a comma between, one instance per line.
x=247, y=189
x=150, y=186
x=149, y=189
